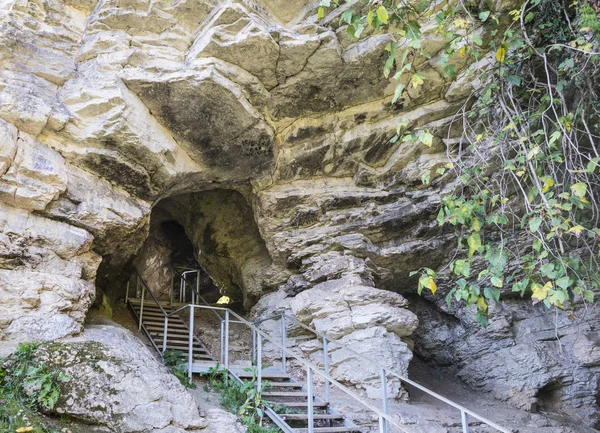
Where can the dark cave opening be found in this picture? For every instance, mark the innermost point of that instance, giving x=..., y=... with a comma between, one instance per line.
x=548, y=398
x=214, y=231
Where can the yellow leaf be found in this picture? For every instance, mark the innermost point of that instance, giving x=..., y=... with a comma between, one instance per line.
x=482, y=304
x=432, y=285
x=577, y=230
x=540, y=293
x=501, y=54
x=549, y=183
x=24, y=429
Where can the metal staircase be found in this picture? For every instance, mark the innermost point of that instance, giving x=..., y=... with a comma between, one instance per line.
x=304, y=410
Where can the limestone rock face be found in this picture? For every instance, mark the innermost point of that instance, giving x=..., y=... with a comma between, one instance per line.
x=265, y=133
x=114, y=381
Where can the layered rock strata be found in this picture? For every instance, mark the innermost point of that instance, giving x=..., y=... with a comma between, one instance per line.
x=252, y=109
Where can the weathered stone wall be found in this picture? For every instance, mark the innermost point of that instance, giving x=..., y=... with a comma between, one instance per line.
x=109, y=107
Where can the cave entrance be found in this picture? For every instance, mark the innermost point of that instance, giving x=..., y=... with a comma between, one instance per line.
x=212, y=231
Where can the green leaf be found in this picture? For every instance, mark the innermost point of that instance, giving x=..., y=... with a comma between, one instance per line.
x=483, y=16
x=498, y=282
x=462, y=267
x=382, y=14
x=534, y=224
x=347, y=16
x=477, y=39
x=492, y=293
x=579, y=189
x=398, y=92
x=321, y=13
x=588, y=295
x=514, y=79
x=591, y=167
x=370, y=17
x=563, y=282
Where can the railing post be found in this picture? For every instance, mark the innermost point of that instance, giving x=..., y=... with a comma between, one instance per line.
x=222, y=351
x=127, y=292
x=258, y=361
x=226, y=358
x=181, y=288
x=465, y=421
x=142, y=307
x=197, y=284
x=253, y=362
x=165, y=335
x=283, y=342
x=384, y=398
x=310, y=409
x=172, y=291
x=326, y=369
x=191, y=343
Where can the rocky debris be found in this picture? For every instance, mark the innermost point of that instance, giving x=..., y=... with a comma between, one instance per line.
x=367, y=321
x=221, y=421
x=115, y=381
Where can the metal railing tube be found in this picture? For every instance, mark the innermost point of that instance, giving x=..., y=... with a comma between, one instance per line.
x=253, y=347
x=403, y=378
x=310, y=405
x=127, y=291
x=258, y=363
x=384, y=400
x=465, y=421
x=326, y=369
x=226, y=357
x=283, y=343
x=172, y=291
x=164, y=348
x=191, y=344
x=222, y=341
x=142, y=307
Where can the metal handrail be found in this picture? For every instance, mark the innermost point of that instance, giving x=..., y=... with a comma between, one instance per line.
x=312, y=368
x=140, y=279
x=386, y=370
x=384, y=418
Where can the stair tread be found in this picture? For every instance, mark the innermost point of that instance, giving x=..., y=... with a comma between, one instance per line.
x=303, y=416
x=285, y=385
x=285, y=394
x=298, y=404
x=328, y=429
x=249, y=374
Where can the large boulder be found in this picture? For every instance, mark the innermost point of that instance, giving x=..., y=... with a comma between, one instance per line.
x=114, y=381
x=368, y=328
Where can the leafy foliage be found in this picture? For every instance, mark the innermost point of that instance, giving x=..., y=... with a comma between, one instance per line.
x=245, y=399
x=528, y=168
x=26, y=386
x=175, y=361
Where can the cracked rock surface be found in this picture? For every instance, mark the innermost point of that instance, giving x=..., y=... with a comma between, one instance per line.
x=265, y=133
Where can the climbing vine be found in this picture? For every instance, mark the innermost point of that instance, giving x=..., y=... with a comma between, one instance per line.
x=526, y=170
